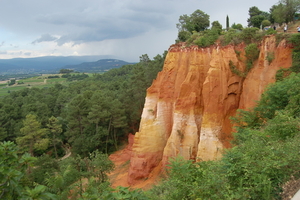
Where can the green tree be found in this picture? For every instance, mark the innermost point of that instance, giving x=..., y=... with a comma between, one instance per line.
x=290, y=9
x=237, y=26
x=216, y=26
x=99, y=166
x=197, y=21
x=285, y=11
x=33, y=136
x=55, y=129
x=265, y=23
x=227, y=22
x=278, y=13
x=13, y=175
x=256, y=17
x=12, y=170
x=65, y=71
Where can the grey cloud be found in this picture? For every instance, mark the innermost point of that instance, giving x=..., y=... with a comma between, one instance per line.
x=45, y=38
x=3, y=52
x=110, y=21
x=27, y=53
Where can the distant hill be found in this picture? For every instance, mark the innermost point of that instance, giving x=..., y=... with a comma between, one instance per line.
x=98, y=66
x=51, y=64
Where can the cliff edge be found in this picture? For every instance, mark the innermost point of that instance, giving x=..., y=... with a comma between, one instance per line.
x=188, y=106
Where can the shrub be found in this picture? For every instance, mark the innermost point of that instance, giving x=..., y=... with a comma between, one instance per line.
x=249, y=35
x=251, y=53
x=270, y=57
x=204, y=38
x=232, y=36
x=270, y=31
x=281, y=36
x=54, y=76
x=295, y=41
x=282, y=73
x=184, y=36
x=235, y=70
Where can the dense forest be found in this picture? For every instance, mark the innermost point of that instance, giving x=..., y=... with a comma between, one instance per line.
x=88, y=118
x=55, y=141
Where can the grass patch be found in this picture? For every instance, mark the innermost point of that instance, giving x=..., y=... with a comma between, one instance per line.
x=38, y=82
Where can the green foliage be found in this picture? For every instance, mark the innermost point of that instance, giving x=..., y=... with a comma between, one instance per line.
x=237, y=36
x=237, y=26
x=270, y=57
x=227, y=22
x=43, y=165
x=280, y=36
x=265, y=23
x=182, y=175
x=33, y=136
x=250, y=35
x=252, y=54
x=235, y=70
x=256, y=17
x=197, y=21
x=204, y=38
x=65, y=71
x=285, y=11
x=216, y=26
x=277, y=97
x=75, y=77
x=232, y=36
x=270, y=31
x=282, y=73
x=11, y=82
x=295, y=41
x=283, y=126
x=55, y=129
x=13, y=170
x=183, y=36
x=53, y=76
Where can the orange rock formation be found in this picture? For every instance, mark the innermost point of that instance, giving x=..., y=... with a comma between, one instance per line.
x=188, y=106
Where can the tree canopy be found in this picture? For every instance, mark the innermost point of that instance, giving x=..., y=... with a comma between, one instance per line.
x=197, y=21
x=256, y=17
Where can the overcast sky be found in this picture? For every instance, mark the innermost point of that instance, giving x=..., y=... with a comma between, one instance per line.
x=124, y=29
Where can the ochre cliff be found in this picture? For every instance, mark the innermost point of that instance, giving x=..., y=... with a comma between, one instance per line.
x=188, y=106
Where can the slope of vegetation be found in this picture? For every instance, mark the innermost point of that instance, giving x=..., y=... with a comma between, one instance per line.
x=89, y=117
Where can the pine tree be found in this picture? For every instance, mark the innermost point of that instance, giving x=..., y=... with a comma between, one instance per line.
x=34, y=137
x=55, y=129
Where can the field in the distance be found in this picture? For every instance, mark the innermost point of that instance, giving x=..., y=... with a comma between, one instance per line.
x=38, y=81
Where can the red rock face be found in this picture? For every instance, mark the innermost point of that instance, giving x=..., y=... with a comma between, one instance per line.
x=188, y=106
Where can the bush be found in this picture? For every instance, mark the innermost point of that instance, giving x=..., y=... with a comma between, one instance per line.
x=250, y=35
x=235, y=70
x=252, y=54
x=184, y=36
x=295, y=41
x=270, y=57
x=232, y=36
x=270, y=31
x=54, y=76
x=208, y=38
x=281, y=36
x=282, y=73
